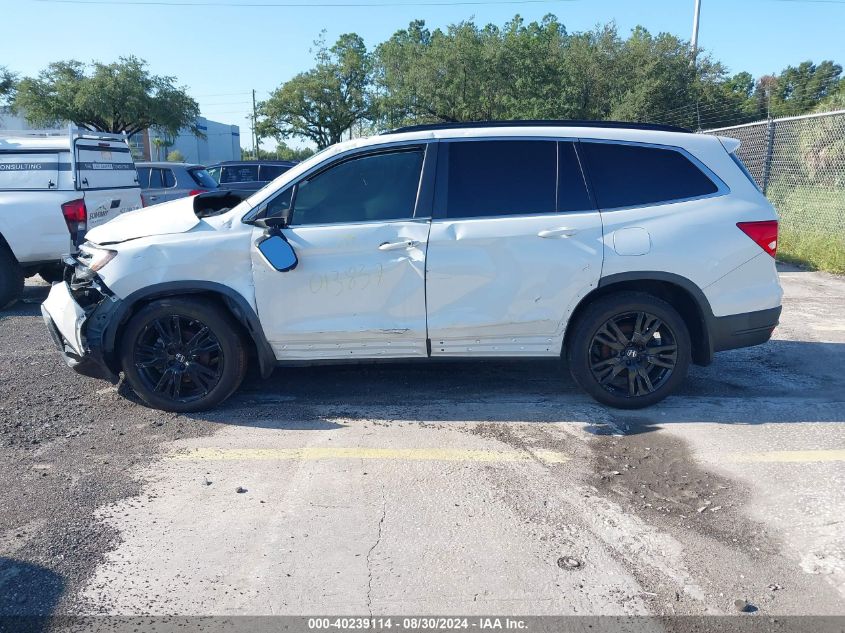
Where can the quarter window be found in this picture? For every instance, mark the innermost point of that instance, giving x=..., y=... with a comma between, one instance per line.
x=631, y=175
x=372, y=187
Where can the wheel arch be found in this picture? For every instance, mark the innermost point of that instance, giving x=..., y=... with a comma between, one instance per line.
x=681, y=293
x=228, y=299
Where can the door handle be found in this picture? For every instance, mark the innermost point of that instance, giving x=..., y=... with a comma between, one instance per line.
x=153, y=197
x=557, y=233
x=395, y=246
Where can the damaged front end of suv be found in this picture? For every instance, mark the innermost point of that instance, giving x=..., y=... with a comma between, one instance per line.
x=79, y=313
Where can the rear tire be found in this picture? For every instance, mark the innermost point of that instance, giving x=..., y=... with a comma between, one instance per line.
x=11, y=278
x=181, y=355
x=629, y=350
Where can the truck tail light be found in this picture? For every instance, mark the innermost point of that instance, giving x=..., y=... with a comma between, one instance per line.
x=196, y=192
x=764, y=234
x=76, y=218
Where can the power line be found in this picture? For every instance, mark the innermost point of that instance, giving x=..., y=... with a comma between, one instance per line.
x=336, y=5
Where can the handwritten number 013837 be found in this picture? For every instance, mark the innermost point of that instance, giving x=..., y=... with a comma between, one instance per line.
x=352, y=279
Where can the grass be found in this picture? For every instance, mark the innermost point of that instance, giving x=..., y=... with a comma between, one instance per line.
x=812, y=228
x=817, y=251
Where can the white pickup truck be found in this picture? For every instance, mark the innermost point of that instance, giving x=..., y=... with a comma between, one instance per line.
x=54, y=186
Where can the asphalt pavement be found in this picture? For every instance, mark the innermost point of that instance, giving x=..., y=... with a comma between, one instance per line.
x=494, y=488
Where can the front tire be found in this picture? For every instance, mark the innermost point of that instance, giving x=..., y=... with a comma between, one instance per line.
x=11, y=278
x=183, y=355
x=629, y=350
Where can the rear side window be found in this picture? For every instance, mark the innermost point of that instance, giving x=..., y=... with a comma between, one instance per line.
x=214, y=172
x=168, y=178
x=632, y=175
x=155, y=179
x=144, y=177
x=490, y=178
x=203, y=178
x=238, y=173
x=267, y=173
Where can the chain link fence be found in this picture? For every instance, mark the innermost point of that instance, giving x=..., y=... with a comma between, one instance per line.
x=799, y=163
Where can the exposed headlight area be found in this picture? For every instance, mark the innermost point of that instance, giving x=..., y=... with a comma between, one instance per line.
x=94, y=258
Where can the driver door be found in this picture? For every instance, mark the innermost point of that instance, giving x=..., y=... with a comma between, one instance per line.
x=358, y=289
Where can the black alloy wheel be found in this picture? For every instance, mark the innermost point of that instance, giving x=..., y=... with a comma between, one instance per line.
x=183, y=354
x=633, y=354
x=629, y=349
x=179, y=357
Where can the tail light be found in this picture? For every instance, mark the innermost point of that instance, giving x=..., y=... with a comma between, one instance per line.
x=764, y=234
x=195, y=192
x=76, y=218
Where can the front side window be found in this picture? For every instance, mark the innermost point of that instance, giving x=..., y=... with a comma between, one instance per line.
x=633, y=175
x=363, y=189
x=492, y=178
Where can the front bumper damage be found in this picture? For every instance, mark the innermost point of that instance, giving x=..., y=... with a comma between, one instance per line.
x=77, y=315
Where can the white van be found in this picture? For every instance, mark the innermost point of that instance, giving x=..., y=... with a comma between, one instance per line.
x=54, y=186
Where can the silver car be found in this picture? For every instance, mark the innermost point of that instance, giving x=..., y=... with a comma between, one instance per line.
x=164, y=181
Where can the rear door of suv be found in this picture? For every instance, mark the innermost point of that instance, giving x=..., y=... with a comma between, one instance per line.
x=105, y=173
x=515, y=242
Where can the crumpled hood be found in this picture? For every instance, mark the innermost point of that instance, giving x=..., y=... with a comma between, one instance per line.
x=176, y=216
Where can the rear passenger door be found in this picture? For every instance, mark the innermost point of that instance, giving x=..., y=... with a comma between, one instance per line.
x=515, y=243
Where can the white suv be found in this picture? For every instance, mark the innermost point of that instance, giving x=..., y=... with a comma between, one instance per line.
x=632, y=250
x=54, y=185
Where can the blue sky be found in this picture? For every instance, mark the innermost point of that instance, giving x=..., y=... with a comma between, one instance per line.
x=221, y=53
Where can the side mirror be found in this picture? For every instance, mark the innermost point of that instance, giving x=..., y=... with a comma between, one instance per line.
x=277, y=251
x=273, y=222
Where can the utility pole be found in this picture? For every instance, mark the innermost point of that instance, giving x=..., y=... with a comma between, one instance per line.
x=254, y=133
x=694, y=41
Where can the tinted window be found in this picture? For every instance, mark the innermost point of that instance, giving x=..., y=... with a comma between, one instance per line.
x=214, y=172
x=238, y=173
x=271, y=172
x=203, y=178
x=630, y=175
x=280, y=204
x=168, y=178
x=572, y=190
x=374, y=187
x=155, y=178
x=501, y=178
x=144, y=177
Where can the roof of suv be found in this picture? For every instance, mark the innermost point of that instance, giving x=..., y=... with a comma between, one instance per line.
x=539, y=123
x=280, y=163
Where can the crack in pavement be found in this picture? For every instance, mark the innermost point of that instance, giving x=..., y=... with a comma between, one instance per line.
x=372, y=549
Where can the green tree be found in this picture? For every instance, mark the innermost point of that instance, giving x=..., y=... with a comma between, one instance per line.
x=323, y=103
x=285, y=152
x=801, y=88
x=118, y=97
x=7, y=84
x=175, y=157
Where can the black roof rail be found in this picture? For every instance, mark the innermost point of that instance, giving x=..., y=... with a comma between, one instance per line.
x=657, y=127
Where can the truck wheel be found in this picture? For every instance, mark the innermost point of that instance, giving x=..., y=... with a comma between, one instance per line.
x=181, y=354
x=11, y=278
x=629, y=350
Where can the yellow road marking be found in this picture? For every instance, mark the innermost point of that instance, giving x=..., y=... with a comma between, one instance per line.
x=321, y=452
x=820, y=455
